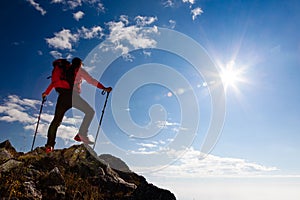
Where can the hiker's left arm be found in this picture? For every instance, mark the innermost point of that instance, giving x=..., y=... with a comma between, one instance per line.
x=91, y=80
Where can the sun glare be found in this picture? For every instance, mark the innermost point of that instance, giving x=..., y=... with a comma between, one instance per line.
x=231, y=76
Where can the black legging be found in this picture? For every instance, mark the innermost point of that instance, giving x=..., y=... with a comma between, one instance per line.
x=65, y=101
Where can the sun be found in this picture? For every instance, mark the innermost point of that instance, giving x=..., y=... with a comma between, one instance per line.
x=232, y=76
x=229, y=77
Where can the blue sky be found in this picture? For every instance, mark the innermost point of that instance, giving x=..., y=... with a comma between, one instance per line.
x=166, y=60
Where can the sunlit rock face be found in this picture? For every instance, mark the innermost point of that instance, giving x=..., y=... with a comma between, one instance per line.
x=71, y=173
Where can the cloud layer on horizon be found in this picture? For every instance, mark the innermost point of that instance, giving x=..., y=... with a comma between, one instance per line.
x=23, y=111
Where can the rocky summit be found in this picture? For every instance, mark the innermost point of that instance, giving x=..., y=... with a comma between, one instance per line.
x=71, y=173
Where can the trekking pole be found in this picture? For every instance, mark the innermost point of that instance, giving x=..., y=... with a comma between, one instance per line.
x=107, y=94
x=37, y=125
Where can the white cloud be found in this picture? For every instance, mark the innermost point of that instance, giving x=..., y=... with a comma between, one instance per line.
x=122, y=37
x=169, y=3
x=194, y=164
x=196, y=12
x=57, y=1
x=25, y=112
x=93, y=32
x=172, y=23
x=69, y=56
x=63, y=40
x=147, y=53
x=100, y=7
x=142, y=151
x=124, y=18
x=144, y=20
x=37, y=7
x=72, y=4
x=148, y=145
x=78, y=15
x=14, y=115
x=25, y=102
x=189, y=1
x=15, y=109
x=168, y=125
x=56, y=54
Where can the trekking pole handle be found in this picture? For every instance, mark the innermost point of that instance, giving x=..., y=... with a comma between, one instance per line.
x=44, y=99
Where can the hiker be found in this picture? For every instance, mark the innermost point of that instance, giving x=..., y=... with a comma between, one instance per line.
x=68, y=87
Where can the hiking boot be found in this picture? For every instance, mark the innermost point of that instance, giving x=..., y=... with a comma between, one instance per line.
x=84, y=139
x=49, y=149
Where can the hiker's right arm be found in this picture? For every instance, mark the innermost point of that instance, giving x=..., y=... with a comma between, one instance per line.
x=48, y=90
x=56, y=82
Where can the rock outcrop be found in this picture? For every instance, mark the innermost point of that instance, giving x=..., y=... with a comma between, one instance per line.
x=71, y=173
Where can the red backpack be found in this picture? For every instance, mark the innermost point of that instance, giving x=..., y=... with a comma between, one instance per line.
x=65, y=71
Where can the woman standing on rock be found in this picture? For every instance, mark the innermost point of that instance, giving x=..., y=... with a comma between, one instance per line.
x=67, y=79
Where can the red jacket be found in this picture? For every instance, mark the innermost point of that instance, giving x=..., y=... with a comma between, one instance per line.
x=80, y=74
